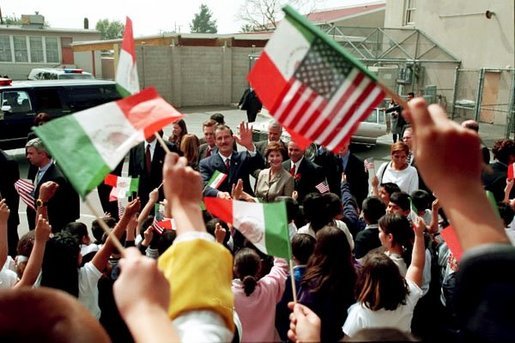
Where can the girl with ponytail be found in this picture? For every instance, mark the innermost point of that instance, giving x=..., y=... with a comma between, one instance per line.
x=397, y=236
x=255, y=299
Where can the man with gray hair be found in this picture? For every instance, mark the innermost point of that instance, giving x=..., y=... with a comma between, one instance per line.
x=64, y=206
x=474, y=125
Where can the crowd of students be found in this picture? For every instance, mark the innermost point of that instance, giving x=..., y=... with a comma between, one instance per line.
x=370, y=271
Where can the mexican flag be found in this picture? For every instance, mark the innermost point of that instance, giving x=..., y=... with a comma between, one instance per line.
x=88, y=144
x=264, y=224
x=122, y=186
x=127, y=72
x=311, y=85
x=217, y=179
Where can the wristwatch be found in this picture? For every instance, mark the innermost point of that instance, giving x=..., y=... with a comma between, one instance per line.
x=40, y=203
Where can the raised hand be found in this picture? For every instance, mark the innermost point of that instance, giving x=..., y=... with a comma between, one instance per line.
x=245, y=137
x=132, y=208
x=304, y=324
x=220, y=233
x=4, y=211
x=43, y=229
x=47, y=190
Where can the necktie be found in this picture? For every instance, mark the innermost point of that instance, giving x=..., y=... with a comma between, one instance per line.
x=228, y=164
x=148, y=159
x=292, y=170
x=208, y=153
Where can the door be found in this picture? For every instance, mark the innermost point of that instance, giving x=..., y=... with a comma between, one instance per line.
x=489, y=99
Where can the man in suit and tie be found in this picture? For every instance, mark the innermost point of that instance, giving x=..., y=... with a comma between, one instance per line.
x=235, y=164
x=9, y=174
x=209, y=147
x=306, y=174
x=146, y=162
x=64, y=206
x=344, y=162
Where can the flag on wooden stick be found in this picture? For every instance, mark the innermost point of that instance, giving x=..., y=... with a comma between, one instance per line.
x=311, y=85
x=89, y=144
x=127, y=72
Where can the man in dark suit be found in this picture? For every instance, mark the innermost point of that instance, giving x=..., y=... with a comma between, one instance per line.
x=146, y=162
x=9, y=174
x=209, y=147
x=345, y=162
x=306, y=174
x=64, y=206
x=235, y=164
x=250, y=102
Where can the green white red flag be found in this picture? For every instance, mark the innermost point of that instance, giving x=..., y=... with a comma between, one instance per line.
x=122, y=186
x=264, y=224
x=216, y=179
x=127, y=71
x=311, y=85
x=88, y=144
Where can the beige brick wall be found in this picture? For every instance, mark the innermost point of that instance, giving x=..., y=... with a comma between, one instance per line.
x=195, y=76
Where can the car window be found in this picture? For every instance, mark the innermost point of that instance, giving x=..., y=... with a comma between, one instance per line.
x=48, y=100
x=16, y=102
x=75, y=77
x=372, y=118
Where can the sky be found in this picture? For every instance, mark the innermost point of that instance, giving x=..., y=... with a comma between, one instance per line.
x=149, y=17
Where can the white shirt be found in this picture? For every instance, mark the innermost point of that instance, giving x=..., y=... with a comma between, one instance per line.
x=88, y=290
x=361, y=317
x=406, y=179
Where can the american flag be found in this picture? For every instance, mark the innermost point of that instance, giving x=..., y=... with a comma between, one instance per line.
x=161, y=225
x=322, y=187
x=25, y=189
x=327, y=97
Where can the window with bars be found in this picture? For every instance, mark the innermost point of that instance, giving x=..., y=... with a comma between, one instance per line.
x=409, y=15
x=5, y=49
x=20, y=49
x=52, y=51
x=36, y=49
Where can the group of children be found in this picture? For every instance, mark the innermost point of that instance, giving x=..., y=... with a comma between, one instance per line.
x=359, y=276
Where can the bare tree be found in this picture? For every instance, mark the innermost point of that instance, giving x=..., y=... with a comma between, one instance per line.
x=263, y=15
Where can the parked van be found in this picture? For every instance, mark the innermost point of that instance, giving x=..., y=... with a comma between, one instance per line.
x=59, y=74
x=22, y=100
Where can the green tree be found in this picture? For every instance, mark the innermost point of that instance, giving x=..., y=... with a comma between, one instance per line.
x=202, y=21
x=110, y=29
x=12, y=20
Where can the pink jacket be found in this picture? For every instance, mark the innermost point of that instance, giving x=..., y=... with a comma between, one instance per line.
x=257, y=311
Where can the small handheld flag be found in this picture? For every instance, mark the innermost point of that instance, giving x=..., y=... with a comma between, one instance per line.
x=264, y=224
x=311, y=85
x=25, y=189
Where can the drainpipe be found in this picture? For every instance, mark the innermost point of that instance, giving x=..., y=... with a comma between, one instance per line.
x=456, y=73
x=479, y=95
x=510, y=125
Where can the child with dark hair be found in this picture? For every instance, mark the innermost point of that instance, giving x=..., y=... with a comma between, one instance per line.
x=98, y=232
x=62, y=258
x=368, y=239
x=385, y=298
x=396, y=236
x=255, y=299
x=385, y=190
x=328, y=284
x=302, y=246
x=80, y=231
x=422, y=202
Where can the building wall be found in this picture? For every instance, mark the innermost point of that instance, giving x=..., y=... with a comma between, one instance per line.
x=195, y=76
x=461, y=27
x=20, y=70
x=375, y=19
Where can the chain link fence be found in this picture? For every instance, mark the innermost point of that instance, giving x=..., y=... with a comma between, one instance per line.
x=487, y=96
